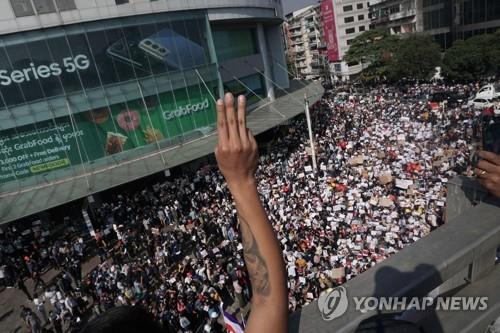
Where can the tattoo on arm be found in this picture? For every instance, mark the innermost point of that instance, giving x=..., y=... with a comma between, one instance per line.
x=256, y=265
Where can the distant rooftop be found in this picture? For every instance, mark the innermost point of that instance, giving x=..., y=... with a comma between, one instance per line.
x=301, y=11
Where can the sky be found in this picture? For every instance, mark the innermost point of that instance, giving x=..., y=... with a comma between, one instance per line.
x=292, y=5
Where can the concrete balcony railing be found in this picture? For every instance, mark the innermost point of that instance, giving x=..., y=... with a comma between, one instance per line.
x=297, y=42
x=458, y=259
x=402, y=14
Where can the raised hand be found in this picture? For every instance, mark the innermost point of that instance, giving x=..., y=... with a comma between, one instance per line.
x=236, y=151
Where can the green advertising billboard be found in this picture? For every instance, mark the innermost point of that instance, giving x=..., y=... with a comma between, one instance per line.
x=88, y=136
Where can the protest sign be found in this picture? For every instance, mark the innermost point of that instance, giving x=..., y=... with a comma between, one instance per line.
x=385, y=178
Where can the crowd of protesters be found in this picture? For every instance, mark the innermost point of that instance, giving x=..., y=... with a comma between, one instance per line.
x=383, y=161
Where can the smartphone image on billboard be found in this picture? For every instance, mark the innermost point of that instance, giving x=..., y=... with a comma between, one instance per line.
x=175, y=50
x=128, y=52
x=154, y=49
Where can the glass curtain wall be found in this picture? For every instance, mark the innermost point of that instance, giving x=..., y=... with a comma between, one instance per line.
x=233, y=44
x=94, y=94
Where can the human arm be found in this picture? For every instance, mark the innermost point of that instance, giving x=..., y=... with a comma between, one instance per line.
x=236, y=155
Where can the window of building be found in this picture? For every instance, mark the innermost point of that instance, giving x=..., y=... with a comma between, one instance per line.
x=63, y=5
x=361, y=17
x=350, y=31
x=436, y=19
x=101, y=55
x=493, y=12
x=359, y=6
x=361, y=28
x=22, y=8
x=108, y=56
x=44, y=6
x=250, y=86
x=347, y=8
x=395, y=9
x=480, y=11
x=235, y=43
x=349, y=19
x=428, y=3
x=121, y=2
x=349, y=41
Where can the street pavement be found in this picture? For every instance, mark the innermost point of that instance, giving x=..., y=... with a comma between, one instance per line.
x=12, y=298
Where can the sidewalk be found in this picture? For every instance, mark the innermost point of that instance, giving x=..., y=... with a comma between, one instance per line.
x=11, y=299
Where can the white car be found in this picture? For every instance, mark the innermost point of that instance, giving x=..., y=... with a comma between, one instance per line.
x=489, y=91
x=479, y=103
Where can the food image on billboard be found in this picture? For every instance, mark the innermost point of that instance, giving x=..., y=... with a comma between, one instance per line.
x=60, y=143
x=115, y=143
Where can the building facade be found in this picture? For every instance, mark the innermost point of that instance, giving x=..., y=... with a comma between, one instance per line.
x=436, y=16
x=474, y=17
x=445, y=20
x=303, y=36
x=350, y=19
x=86, y=85
x=399, y=16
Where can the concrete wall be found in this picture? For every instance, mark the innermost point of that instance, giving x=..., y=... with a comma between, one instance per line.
x=460, y=253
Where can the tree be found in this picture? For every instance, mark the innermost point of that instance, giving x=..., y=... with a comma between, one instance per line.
x=394, y=57
x=415, y=57
x=473, y=59
x=373, y=49
x=292, y=70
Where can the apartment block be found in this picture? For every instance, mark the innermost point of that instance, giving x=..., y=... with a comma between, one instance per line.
x=303, y=37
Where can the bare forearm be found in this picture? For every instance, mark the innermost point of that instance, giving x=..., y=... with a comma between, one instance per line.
x=262, y=252
x=237, y=157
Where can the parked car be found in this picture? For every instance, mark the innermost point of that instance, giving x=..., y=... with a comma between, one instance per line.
x=480, y=103
x=489, y=91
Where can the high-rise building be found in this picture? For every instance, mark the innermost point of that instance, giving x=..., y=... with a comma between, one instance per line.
x=436, y=18
x=303, y=36
x=399, y=16
x=97, y=93
x=445, y=20
x=348, y=20
x=473, y=17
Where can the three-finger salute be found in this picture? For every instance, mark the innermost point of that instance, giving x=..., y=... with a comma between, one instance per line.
x=236, y=151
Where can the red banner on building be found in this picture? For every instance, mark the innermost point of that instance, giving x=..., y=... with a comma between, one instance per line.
x=329, y=30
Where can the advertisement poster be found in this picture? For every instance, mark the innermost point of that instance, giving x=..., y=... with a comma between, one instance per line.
x=330, y=32
x=55, y=144
x=48, y=63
